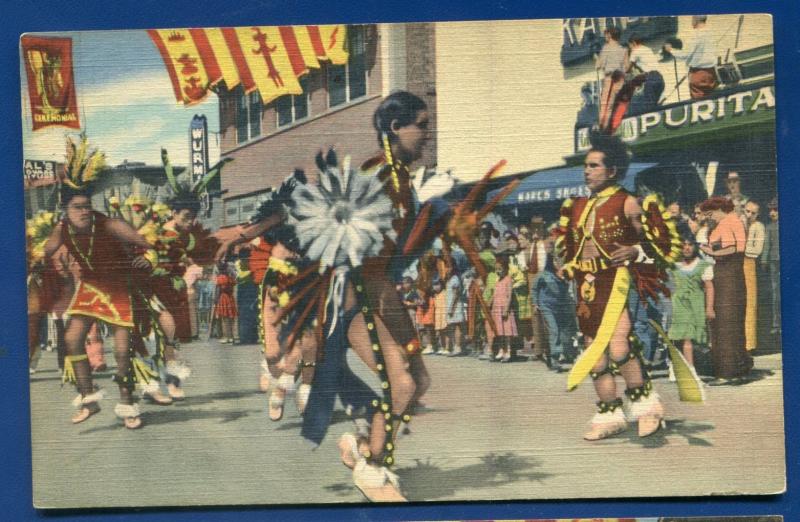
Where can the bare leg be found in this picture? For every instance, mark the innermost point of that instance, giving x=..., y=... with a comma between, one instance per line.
x=619, y=348
x=688, y=351
x=75, y=340
x=308, y=346
x=167, y=323
x=122, y=354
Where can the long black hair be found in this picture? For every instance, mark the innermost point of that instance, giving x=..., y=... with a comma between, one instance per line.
x=184, y=200
x=401, y=106
x=614, y=150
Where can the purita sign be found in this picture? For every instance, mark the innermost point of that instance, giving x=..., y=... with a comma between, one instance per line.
x=737, y=108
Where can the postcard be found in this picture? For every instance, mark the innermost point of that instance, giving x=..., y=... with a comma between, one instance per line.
x=527, y=259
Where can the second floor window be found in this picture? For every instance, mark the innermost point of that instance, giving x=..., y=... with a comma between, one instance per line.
x=291, y=108
x=349, y=82
x=248, y=115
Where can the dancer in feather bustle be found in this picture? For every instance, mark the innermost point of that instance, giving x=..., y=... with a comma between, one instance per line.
x=360, y=230
x=105, y=249
x=288, y=340
x=614, y=247
x=364, y=229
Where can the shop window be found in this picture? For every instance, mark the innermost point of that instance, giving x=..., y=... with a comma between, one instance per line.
x=41, y=197
x=349, y=82
x=248, y=115
x=291, y=108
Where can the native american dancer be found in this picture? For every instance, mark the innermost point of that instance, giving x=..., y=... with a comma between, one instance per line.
x=104, y=248
x=363, y=229
x=179, y=242
x=146, y=217
x=288, y=340
x=359, y=231
x=614, y=247
x=40, y=282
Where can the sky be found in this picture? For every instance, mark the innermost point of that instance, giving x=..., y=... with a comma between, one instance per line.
x=125, y=101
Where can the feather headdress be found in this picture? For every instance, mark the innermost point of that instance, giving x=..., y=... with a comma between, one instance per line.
x=190, y=191
x=37, y=232
x=82, y=166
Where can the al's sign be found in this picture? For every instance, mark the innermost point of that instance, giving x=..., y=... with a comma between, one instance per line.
x=741, y=107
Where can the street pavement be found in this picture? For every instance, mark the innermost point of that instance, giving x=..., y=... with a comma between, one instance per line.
x=489, y=431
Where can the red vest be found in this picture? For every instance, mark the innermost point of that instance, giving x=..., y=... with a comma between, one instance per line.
x=610, y=224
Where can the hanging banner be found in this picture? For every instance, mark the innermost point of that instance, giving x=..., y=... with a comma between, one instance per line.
x=269, y=59
x=51, y=85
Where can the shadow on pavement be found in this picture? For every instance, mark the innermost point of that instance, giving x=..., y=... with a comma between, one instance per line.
x=338, y=417
x=687, y=430
x=170, y=415
x=426, y=481
x=207, y=398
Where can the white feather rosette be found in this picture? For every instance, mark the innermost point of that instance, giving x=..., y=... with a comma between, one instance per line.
x=343, y=219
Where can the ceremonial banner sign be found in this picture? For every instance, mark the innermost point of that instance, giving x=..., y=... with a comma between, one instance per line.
x=387, y=266
x=51, y=86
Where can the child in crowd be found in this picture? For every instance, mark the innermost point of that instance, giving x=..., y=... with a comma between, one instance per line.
x=692, y=299
x=440, y=317
x=501, y=308
x=225, y=309
x=426, y=309
x=456, y=312
x=410, y=297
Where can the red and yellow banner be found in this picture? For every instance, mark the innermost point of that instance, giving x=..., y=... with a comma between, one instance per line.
x=51, y=84
x=270, y=59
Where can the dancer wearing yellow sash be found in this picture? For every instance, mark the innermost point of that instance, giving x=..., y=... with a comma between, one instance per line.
x=612, y=245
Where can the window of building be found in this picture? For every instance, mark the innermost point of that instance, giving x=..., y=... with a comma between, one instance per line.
x=41, y=197
x=349, y=82
x=248, y=115
x=231, y=212
x=291, y=108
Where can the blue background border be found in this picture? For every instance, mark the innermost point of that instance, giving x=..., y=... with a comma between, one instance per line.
x=51, y=15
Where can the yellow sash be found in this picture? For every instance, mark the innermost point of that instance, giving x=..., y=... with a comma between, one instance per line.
x=690, y=387
x=614, y=308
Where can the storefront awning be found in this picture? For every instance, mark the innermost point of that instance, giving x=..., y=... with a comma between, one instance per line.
x=559, y=184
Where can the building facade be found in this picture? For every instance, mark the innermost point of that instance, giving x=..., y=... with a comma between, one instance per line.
x=268, y=142
x=506, y=89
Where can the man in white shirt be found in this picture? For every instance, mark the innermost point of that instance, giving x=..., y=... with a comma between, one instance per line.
x=753, y=249
x=643, y=62
x=700, y=55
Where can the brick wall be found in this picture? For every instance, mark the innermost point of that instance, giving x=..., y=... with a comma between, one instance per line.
x=267, y=160
x=421, y=75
